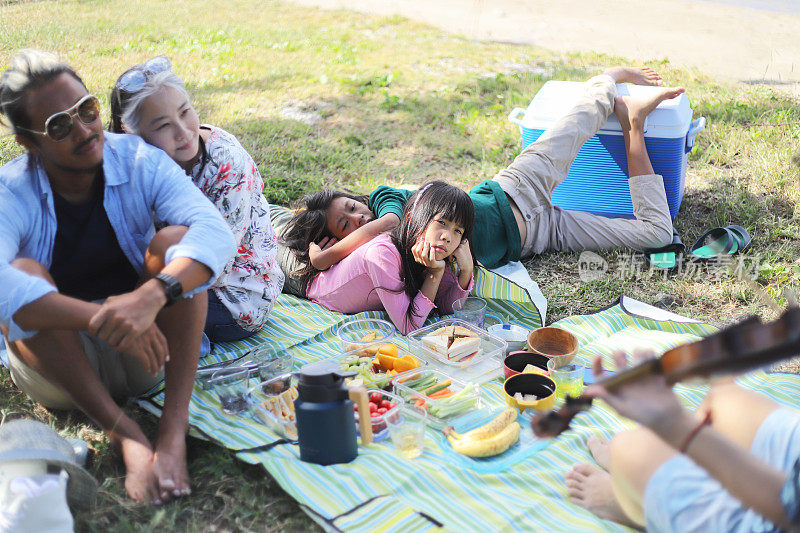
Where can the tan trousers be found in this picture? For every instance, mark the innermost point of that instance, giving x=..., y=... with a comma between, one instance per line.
x=121, y=374
x=529, y=181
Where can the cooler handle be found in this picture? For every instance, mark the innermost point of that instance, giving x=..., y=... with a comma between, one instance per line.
x=516, y=116
x=694, y=128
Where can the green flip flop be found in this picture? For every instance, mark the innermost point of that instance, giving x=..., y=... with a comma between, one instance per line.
x=715, y=242
x=667, y=257
x=742, y=237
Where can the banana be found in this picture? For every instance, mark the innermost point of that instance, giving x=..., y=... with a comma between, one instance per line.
x=487, y=447
x=487, y=430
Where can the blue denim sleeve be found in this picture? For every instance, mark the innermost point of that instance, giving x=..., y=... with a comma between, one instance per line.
x=17, y=288
x=178, y=202
x=790, y=495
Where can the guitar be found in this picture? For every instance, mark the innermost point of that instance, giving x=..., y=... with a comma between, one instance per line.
x=735, y=349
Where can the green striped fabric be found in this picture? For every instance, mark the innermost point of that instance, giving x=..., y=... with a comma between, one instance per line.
x=381, y=491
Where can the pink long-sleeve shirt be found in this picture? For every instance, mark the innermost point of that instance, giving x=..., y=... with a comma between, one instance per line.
x=365, y=279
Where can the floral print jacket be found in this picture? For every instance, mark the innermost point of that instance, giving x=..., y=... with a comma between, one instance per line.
x=252, y=279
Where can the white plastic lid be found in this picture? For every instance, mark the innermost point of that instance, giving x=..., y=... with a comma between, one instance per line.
x=670, y=119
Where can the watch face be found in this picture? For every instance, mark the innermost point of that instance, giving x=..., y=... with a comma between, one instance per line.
x=172, y=287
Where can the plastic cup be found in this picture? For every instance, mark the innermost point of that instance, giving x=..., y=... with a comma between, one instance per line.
x=567, y=373
x=471, y=309
x=408, y=434
x=230, y=384
x=271, y=361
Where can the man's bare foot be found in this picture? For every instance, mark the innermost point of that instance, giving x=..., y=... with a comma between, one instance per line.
x=600, y=449
x=635, y=75
x=169, y=466
x=590, y=487
x=631, y=111
x=140, y=479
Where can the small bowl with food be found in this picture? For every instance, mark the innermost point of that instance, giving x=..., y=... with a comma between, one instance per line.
x=522, y=361
x=530, y=391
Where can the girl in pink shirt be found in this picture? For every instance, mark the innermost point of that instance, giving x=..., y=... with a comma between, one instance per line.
x=425, y=263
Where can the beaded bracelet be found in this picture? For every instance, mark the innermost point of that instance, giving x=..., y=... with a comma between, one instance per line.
x=692, y=434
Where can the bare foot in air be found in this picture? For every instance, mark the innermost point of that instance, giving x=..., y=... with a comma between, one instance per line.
x=140, y=480
x=169, y=466
x=600, y=449
x=590, y=487
x=635, y=75
x=631, y=111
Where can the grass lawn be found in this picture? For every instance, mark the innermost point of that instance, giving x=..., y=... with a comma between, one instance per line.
x=337, y=99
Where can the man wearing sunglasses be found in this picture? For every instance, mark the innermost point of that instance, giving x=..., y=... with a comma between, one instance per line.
x=94, y=303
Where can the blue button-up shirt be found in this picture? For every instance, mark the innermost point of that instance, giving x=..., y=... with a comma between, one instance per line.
x=142, y=184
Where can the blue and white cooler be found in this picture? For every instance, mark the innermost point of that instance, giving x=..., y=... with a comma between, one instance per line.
x=598, y=179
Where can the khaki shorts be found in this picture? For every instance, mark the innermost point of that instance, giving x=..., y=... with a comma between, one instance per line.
x=121, y=374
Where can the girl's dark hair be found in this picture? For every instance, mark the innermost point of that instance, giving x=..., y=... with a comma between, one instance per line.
x=310, y=224
x=436, y=198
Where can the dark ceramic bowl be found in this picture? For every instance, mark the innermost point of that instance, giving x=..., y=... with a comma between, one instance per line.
x=515, y=363
x=541, y=386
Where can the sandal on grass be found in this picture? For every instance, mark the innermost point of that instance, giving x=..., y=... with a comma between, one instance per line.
x=741, y=235
x=668, y=256
x=720, y=241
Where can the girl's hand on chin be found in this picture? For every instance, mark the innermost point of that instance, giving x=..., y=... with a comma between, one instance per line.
x=463, y=256
x=425, y=255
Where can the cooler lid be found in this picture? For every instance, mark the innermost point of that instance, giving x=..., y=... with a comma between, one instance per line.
x=670, y=119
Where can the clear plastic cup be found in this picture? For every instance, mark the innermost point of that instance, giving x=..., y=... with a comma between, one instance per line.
x=567, y=373
x=408, y=433
x=271, y=361
x=230, y=384
x=471, y=309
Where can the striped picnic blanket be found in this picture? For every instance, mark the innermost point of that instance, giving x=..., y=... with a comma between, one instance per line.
x=521, y=490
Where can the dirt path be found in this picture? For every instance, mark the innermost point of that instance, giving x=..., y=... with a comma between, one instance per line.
x=736, y=43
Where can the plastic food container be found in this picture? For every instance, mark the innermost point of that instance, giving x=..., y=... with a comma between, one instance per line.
x=350, y=334
x=600, y=165
x=203, y=375
x=377, y=379
x=484, y=366
x=272, y=388
x=441, y=411
x=380, y=423
x=271, y=361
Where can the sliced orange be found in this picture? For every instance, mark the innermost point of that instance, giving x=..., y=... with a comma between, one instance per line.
x=386, y=361
x=388, y=349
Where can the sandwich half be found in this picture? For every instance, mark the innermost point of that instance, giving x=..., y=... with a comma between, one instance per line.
x=455, y=343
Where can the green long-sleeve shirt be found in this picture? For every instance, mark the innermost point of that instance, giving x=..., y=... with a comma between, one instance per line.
x=495, y=236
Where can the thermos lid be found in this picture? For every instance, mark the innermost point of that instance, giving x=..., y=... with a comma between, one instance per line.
x=322, y=382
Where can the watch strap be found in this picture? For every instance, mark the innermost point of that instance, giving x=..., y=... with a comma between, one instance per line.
x=173, y=289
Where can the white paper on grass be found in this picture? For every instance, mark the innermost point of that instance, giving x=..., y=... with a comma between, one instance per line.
x=516, y=272
x=635, y=307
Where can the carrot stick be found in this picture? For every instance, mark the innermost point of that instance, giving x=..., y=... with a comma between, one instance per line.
x=437, y=387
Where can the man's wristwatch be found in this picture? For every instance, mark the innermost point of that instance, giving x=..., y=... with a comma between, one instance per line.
x=172, y=288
